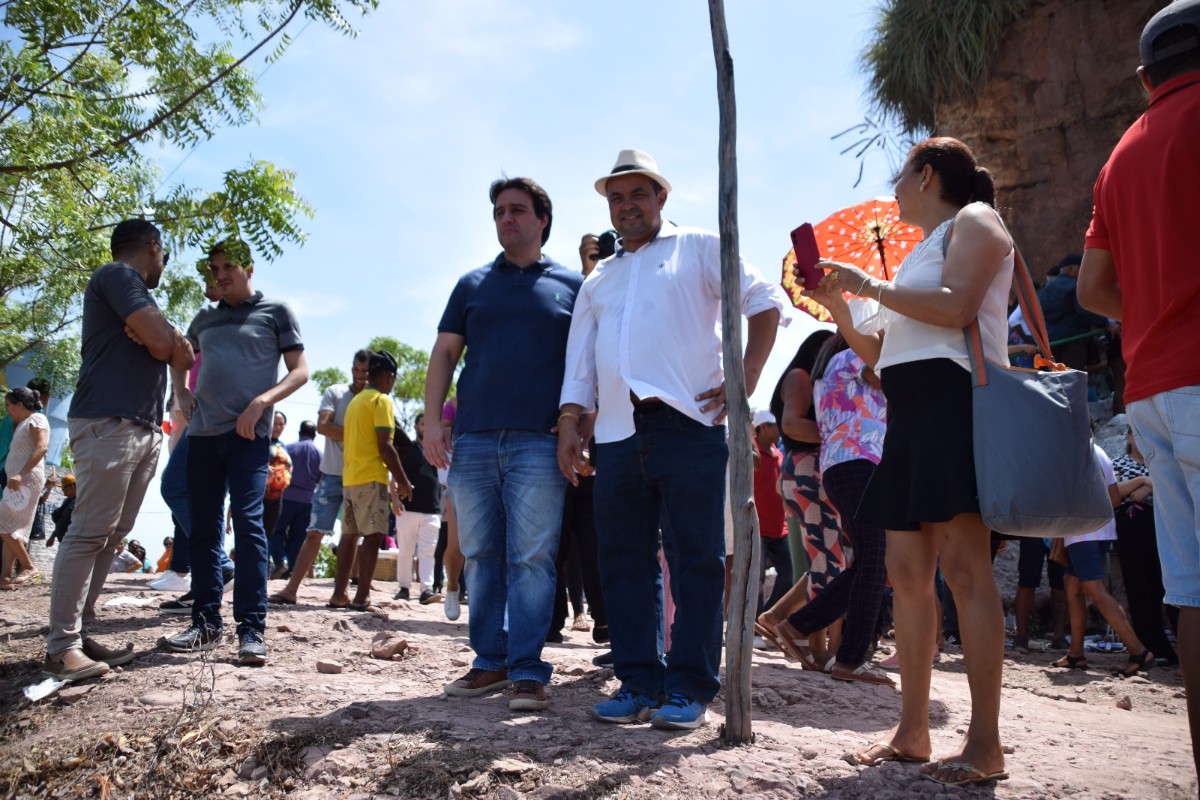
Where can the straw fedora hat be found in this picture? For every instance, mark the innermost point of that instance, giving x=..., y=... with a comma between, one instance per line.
x=634, y=162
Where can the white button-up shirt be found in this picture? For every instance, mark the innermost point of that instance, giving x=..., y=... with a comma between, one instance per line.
x=649, y=322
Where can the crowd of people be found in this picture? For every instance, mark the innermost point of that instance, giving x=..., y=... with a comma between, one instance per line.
x=587, y=439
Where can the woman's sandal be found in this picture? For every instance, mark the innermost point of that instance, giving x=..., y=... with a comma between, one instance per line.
x=28, y=576
x=891, y=753
x=1136, y=664
x=1071, y=662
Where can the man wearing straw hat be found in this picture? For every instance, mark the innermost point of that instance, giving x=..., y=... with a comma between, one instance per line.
x=645, y=339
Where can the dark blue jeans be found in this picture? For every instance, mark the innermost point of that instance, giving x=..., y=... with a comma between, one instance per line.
x=174, y=491
x=290, y=531
x=214, y=462
x=672, y=468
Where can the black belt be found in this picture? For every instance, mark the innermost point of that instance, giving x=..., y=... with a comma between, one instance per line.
x=646, y=405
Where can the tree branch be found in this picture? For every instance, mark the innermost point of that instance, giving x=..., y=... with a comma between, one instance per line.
x=165, y=115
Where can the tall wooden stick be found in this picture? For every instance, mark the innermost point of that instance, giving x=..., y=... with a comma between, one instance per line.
x=743, y=591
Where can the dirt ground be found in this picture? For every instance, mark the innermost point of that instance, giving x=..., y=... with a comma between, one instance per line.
x=170, y=725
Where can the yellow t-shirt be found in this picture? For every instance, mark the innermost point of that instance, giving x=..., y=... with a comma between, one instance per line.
x=369, y=411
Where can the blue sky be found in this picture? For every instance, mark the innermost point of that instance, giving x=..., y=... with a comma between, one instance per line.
x=396, y=135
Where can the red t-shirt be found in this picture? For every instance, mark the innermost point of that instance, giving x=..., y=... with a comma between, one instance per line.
x=1147, y=214
x=771, y=520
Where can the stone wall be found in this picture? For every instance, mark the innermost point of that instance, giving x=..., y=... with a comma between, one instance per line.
x=1062, y=92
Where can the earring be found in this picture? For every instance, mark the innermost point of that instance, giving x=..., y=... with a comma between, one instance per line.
x=923, y=185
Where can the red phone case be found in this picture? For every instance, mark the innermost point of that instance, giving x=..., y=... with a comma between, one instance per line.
x=804, y=243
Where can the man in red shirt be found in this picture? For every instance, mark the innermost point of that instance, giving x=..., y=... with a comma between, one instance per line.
x=772, y=523
x=1140, y=265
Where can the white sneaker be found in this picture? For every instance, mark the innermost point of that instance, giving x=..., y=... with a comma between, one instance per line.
x=171, y=581
x=451, y=604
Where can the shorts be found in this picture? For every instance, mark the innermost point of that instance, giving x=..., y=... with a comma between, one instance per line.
x=1087, y=560
x=1029, y=565
x=365, y=510
x=1167, y=429
x=326, y=503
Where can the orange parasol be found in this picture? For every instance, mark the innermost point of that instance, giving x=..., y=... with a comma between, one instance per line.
x=868, y=235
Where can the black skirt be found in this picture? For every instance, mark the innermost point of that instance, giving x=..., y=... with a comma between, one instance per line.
x=927, y=472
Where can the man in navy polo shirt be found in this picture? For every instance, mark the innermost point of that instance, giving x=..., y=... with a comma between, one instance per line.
x=512, y=316
x=242, y=339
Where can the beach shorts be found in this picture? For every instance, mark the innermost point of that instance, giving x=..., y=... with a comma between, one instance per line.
x=1087, y=560
x=326, y=503
x=365, y=509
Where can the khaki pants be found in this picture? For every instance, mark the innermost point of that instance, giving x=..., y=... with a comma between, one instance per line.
x=115, y=460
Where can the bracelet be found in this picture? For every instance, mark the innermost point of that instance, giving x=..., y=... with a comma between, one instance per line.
x=879, y=296
x=863, y=285
x=569, y=414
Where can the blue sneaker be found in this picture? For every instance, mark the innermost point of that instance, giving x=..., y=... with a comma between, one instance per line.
x=625, y=706
x=680, y=712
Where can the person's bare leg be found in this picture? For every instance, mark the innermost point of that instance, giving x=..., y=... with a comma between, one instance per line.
x=452, y=559
x=792, y=601
x=309, y=550
x=911, y=564
x=964, y=544
x=1058, y=613
x=368, y=554
x=6, y=559
x=20, y=554
x=1188, y=649
x=346, y=553
x=1024, y=610
x=1077, y=613
x=1114, y=615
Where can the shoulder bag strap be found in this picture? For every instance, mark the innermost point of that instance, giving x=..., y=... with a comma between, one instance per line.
x=1027, y=299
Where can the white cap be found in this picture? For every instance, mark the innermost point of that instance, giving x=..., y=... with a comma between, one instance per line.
x=764, y=417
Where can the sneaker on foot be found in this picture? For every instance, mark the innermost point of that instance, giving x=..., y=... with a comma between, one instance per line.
x=180, y=605
x=528, y=695
x=605, y=659
x=252, y=650
x=402, y=594
x=98, y=652
x=478, y=682
x=624, y=707
x=428, y=597
x=451, y=606
x=171, y=581
x=195, y=638
x=72, y=665
x=680, y=713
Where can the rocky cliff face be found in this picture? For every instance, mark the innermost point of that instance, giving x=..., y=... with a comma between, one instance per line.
x=1062, y=92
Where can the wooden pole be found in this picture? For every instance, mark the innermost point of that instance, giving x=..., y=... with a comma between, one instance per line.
x=743, y=590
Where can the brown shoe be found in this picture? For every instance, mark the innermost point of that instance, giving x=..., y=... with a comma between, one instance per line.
x=72, y=665
x=478, y=682
x=528, y=696
x=114, y=658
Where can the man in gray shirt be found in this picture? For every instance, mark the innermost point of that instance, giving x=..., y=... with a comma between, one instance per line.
x=242, y=339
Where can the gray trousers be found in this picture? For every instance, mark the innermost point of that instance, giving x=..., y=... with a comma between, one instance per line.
x=115, y=460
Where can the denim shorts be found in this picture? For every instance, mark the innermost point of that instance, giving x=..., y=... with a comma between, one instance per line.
x=1087, y=560
x=1167, y=429
x=326, y=503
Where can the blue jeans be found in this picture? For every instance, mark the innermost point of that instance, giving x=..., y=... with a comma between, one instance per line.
x=1167, y=429
x=174, y=491
x=214, y=462
x=290, y=532
x=508, y=493
x=673, y=466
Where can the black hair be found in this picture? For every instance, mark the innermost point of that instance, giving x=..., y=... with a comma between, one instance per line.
x=419, y=417
x=308, y=429
x=363, y=355
x=235, y=251
x=280, y=413
x=833, y=345
x=1174, y=66
x=132, y=234
x=136, y=548
x=39, y=385
x=24, y=396
x=963, y=180
x=806, y=356
x=381, y=361
x=541, y=201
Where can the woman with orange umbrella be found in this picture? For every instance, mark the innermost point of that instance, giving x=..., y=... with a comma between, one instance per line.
x=923, y=491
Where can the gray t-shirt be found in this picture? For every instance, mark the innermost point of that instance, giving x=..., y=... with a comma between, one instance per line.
x=118, y=378
x=336, y=397
x=242, y=346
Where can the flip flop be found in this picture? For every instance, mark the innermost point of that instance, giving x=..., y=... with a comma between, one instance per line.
x=279, y=600
x=893, y=754
x=29, y=576
x=973, y=773
x=337, y=608
x=865, y=672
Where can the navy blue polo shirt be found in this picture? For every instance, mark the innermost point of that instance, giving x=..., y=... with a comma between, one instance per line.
x=515, y=322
